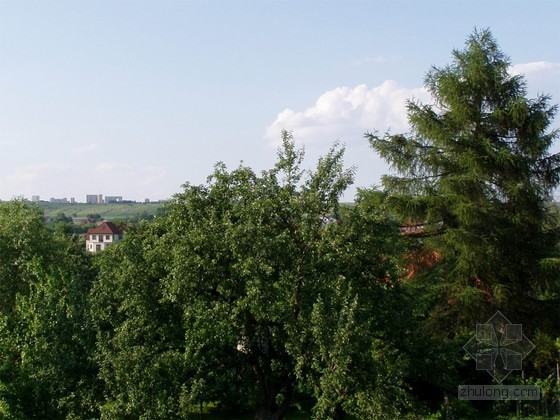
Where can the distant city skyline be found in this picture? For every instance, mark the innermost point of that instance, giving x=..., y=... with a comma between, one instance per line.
x=91, y=199
x=137, y=98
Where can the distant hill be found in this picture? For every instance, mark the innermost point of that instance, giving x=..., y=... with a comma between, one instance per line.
x=112, y=211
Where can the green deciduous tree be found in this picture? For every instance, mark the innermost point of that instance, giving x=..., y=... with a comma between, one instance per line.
x=140, y=338
x=255, y=291
x=45, y=343
x=476, y=173
x=22, y=237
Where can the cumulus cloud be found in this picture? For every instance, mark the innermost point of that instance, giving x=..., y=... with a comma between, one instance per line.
x=346, y=113
x=535, y=67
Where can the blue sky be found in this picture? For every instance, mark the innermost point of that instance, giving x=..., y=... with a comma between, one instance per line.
x=135, y=98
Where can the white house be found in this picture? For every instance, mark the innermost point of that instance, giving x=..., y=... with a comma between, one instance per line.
x=101, y=236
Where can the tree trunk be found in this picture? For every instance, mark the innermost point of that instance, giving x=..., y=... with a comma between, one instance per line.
x=267, y=409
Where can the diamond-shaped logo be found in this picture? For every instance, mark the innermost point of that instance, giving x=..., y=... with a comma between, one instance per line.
x=498, y=347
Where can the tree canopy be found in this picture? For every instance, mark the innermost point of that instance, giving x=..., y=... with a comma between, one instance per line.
x=45, y=369
x=256, y=289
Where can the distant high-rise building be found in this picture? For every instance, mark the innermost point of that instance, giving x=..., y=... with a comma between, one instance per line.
x=92, y=199
x=72, y=200
x=35, y=198
x=59, y=200
x=113, y=199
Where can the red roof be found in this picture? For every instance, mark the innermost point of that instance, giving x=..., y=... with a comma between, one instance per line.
x=105, y=228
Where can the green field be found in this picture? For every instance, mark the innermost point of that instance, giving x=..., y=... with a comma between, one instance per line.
x=112, y=211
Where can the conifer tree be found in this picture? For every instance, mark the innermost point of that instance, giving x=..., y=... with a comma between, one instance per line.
x=475, y=175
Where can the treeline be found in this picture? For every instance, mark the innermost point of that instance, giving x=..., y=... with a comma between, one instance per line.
x=258, y=294
x=63, y=224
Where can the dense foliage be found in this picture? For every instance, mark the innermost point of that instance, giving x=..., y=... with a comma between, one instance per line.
x=257, y=292
x=476, y=175
x=474, y=181
x=260, y=295
x=45, y=345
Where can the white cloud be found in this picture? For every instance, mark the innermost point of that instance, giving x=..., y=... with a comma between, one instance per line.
x=535, y=67
x=346, y=113
x=31, y=173
x=154, y=175
x=86, y=149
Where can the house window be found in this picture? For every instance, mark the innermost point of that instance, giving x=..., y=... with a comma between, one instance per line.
x=98, y=247
x=107, y=237
x=91, y=247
